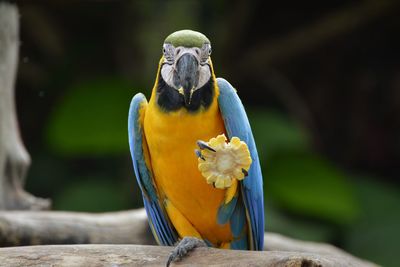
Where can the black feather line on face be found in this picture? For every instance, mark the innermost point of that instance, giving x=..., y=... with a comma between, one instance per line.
x=169, y=99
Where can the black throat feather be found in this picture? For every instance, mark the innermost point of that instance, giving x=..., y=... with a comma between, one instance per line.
x=169, y=99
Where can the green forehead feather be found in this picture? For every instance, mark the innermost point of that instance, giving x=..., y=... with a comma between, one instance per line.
x=187, y=38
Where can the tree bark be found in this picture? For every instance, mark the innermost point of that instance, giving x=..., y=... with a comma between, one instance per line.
x=14, y=159
x=131, y=227
x=139, y=255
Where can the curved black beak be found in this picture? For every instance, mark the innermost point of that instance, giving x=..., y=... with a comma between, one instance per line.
x=187, y=75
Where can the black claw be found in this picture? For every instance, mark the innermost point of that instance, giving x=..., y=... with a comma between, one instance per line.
x=170, y=258
x=246, y=173
x=203, y=145
x=198, y=154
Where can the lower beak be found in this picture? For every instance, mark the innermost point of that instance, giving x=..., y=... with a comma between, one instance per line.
x=187, y=75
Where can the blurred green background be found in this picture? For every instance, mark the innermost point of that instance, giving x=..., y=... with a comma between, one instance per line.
x=320, y=82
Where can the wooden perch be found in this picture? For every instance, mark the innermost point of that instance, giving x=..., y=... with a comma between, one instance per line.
x=14, y=159
x=131, y=227
x=139, y=255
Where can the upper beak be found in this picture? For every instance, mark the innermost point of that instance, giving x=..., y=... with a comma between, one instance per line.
x=187, y=71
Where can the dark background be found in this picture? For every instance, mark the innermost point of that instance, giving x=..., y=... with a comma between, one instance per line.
x=320, y=82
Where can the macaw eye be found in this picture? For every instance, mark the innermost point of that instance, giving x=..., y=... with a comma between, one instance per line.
x=168, y=52
x=205, y=53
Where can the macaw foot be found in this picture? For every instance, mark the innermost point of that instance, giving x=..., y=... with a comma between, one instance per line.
x=184, y=247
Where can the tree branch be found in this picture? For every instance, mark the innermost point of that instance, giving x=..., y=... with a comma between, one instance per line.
x=23, y=228
x=131, y=227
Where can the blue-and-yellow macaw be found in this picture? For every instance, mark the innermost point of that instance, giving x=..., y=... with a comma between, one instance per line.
x=188, y=103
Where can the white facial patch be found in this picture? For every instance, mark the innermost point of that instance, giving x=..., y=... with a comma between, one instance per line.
x=167, y=73
x=204, y=75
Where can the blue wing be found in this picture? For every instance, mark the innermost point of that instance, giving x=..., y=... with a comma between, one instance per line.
x=160, y=225
x=237, y=124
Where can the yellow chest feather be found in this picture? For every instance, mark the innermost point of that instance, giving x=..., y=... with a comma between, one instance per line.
x=171, y=139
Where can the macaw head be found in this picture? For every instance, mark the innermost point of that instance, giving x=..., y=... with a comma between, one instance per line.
x=186, y=65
